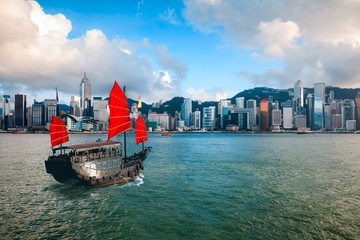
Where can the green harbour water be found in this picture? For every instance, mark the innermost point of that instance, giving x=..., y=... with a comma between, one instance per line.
x=194, y=186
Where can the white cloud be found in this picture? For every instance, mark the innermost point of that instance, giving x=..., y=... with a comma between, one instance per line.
x=277, y=36
x=214, y=94
x=36, y=53
x=170, y=16
x=314, y=41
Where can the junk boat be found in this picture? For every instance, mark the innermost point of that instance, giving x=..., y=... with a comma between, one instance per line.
x=98, y=163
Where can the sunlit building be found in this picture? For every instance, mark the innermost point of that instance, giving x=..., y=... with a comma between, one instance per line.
x=264, y=115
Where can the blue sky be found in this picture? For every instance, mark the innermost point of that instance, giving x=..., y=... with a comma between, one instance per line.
x=203, y=49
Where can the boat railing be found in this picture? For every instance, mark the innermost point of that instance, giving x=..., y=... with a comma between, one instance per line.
x=92, y=156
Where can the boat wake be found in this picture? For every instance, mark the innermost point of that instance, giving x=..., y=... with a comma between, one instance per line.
x=139, y=180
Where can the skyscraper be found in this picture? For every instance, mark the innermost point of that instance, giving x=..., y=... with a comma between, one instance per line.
x=75, y=108
x=186, y=109
x=240, y=102
x=196, y=119
x=251, y=103
x=85, y=96
x=5, y=109
x=276, y=117
x=347, y=111
x=287, y=118
x=319, y=101
x=38, y=115
x=264, y=115
x=299, y=98
x=51, y=109
x=209, y=118
x=357, y=107
x=20, y=110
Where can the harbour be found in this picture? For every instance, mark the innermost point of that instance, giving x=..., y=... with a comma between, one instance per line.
x=194, y=186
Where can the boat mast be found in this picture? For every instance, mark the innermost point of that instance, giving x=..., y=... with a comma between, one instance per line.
x=124, y=89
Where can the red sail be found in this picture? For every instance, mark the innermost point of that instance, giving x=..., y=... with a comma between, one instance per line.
x=141, y=133
x=119, y=112
x=58, y=132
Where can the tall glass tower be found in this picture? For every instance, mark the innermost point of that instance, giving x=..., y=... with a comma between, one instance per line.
x=319, y=101
x=299, y=98
x=20, y=110
x=85, y=96
x=186, y=109
x=5, y=109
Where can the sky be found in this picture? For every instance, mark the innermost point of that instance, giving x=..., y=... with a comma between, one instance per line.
x=202, y=49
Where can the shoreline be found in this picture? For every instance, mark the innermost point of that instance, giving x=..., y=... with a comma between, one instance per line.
x=207, y=132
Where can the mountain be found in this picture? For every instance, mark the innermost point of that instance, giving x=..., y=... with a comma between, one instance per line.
x=260, y=93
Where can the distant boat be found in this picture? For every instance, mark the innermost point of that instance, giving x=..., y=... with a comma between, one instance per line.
x=99, y=163
x=166, y=134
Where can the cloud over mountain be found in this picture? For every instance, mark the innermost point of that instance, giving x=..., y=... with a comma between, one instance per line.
x=37, y=55
x=315, y=41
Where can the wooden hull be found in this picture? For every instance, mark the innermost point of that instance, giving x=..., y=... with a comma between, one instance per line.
x=96, y=173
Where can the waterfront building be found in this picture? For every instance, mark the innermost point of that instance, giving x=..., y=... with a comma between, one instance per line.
x=276, y=118
x=319, y=101
x=100, y=109
x=51, y=109
x=264, y=115
x=9, y=121
x=357, y=110
x=225, y=116
x=209, y=118
x=240, y=102
x=251, y=104
x=287, y=118
x=161, y=119
x=299, y=98
x=196, y=119
x=245, y=118
x=335, y=121
x=85, y=96
x=347, y=111
x=38, y=116
x=309, y=102
x=75, y=108
x=331, y=96
x=180, y=125
x=6, y=105
x=134, y=108
x=223, y=103
x=186, y=109
x=351, y=125
x=327, y=116
x=172, y=122
x=20, y=110
x=300, y=122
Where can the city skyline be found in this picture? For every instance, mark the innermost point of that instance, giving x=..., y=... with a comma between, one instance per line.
x=207, y=49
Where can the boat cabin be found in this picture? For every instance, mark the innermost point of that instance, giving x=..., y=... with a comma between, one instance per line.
x=88, y=152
